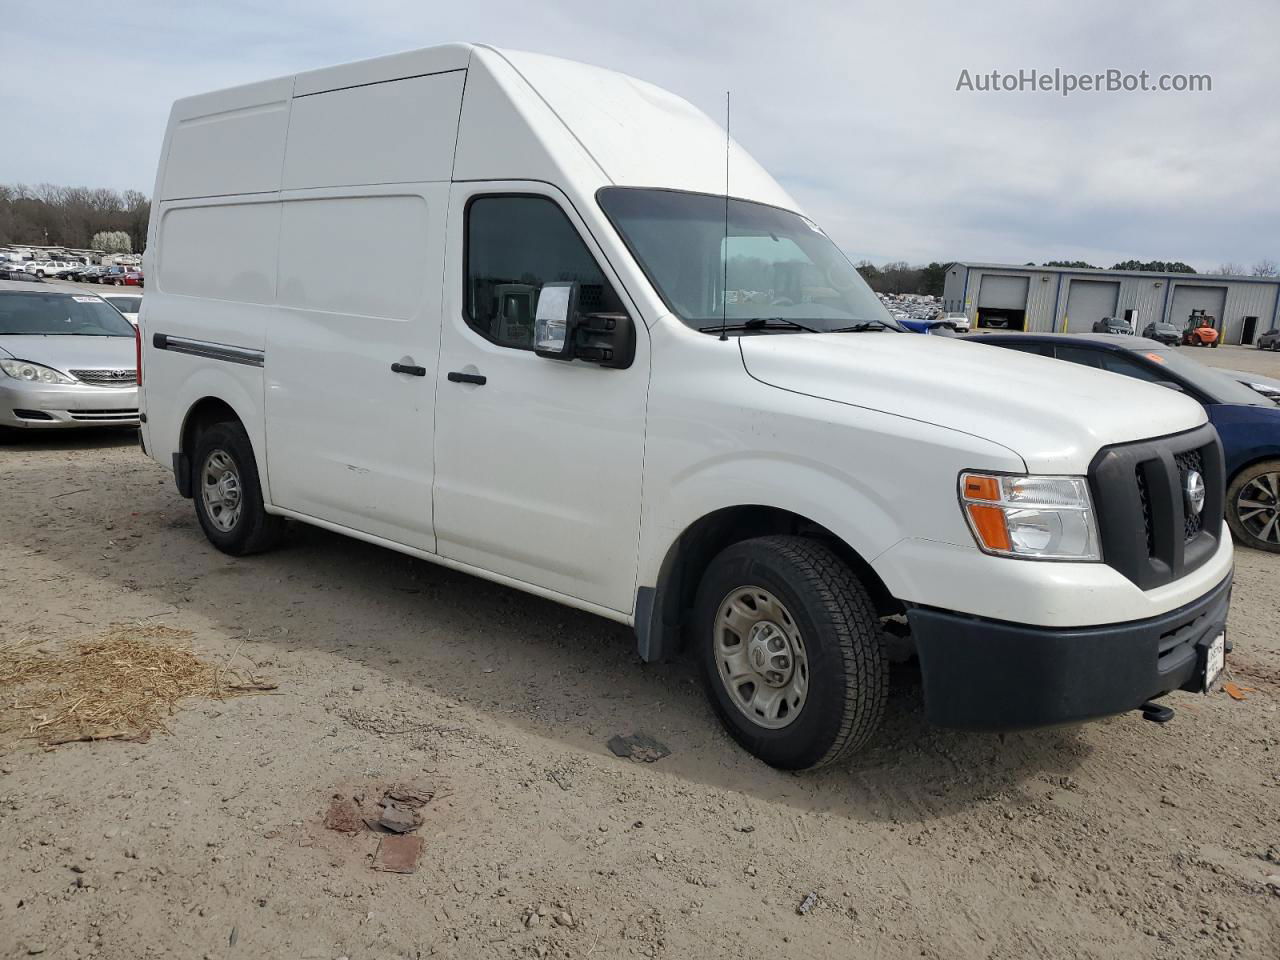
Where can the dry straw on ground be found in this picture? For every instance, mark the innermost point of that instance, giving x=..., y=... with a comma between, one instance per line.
x=122, y=684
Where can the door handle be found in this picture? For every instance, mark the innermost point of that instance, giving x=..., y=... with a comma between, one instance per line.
x=410, y=369
x=477, y=378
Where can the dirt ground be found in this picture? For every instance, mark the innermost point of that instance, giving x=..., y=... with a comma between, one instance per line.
x=1118, y=839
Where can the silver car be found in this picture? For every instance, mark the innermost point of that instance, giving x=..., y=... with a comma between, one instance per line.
x=67, y=359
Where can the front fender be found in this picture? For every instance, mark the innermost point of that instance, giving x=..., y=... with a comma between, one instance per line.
x=841, y=502
x=1248, y=433
x=873, y=485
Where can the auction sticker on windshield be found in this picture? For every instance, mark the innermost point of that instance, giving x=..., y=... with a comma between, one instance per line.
x=87, y=299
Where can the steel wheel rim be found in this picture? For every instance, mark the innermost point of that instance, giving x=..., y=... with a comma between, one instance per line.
x=1258, y=507
x=761, y=658
x=220, y=490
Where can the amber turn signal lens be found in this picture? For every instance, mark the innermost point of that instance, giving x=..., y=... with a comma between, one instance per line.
x=989, y=524
x=981, y=488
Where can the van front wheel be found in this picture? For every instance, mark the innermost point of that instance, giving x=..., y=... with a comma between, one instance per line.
x=227, y=492
x=791, y=652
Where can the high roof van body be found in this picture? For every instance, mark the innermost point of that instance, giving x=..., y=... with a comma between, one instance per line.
x=574, y=362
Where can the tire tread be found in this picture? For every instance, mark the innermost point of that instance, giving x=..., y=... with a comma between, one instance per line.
x=851, y=613
x=843, y=610
x=265, y=529
x=1234, y=487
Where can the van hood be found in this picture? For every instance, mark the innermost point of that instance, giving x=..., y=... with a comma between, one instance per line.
x=64, y=352
x=1053, y=414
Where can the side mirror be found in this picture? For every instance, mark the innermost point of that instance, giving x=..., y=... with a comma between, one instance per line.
x=562, y=332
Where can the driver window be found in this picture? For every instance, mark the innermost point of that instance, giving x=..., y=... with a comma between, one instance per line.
x=514, y=245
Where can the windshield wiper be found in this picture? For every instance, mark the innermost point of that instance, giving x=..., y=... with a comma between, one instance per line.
x=864, y=325
x=759, y=323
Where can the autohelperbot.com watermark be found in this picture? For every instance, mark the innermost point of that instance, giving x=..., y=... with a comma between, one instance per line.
x=1065, y=82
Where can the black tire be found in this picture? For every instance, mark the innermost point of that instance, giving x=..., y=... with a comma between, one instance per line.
x=848, y=678
x=1246, y=530
x=253, y=530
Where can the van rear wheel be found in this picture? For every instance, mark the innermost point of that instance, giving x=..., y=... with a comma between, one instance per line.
x=791, y=652
x=228, y=494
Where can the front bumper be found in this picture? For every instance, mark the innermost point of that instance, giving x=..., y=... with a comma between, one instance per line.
x=982, y=674
x=48, y=406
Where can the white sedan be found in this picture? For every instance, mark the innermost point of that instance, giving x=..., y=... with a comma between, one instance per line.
x=127, y=303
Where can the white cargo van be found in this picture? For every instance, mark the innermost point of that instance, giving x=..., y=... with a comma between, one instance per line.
x=571, y=364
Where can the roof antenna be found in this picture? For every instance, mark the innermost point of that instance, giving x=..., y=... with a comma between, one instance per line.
x=724, y=291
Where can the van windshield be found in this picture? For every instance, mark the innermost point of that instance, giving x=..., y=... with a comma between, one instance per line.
x=779, y=265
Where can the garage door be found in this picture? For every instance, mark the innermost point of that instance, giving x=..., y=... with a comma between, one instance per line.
x=1088, y=301
x=1186, y=298
x=1003, y=293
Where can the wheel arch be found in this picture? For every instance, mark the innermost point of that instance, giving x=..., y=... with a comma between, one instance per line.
x=662, y=610
x=1252, y=459
x=202, y=414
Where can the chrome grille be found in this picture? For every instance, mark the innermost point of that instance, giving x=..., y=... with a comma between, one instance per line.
x=107, y=378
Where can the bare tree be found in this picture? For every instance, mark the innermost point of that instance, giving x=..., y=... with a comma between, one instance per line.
x=1230, y=270
x=48, y=214
x=1266, y=268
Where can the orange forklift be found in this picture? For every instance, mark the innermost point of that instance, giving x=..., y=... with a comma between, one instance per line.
x=1201, y=330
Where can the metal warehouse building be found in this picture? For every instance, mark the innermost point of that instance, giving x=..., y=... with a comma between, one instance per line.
x=1001, y=296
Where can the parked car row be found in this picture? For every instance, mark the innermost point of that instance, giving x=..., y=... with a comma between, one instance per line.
x=120, y=276
x=113, y=276
x=51, y=268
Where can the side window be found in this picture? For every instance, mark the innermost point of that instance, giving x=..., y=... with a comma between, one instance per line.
x=515, y=244
x=1039, y=349
x=1080, y=355
x=1130, y=368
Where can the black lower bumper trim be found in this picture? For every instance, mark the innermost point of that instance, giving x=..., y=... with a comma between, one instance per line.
x=984, y=674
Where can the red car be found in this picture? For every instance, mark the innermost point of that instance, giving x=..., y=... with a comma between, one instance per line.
x=120, y=277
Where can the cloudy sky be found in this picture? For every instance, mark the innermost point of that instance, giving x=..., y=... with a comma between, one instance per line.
x=853, y=106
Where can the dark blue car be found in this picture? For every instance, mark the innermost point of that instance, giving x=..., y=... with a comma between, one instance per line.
x=1247, y=422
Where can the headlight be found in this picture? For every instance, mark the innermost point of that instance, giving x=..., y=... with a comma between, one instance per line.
x=33, y=372
x=1042, y=518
